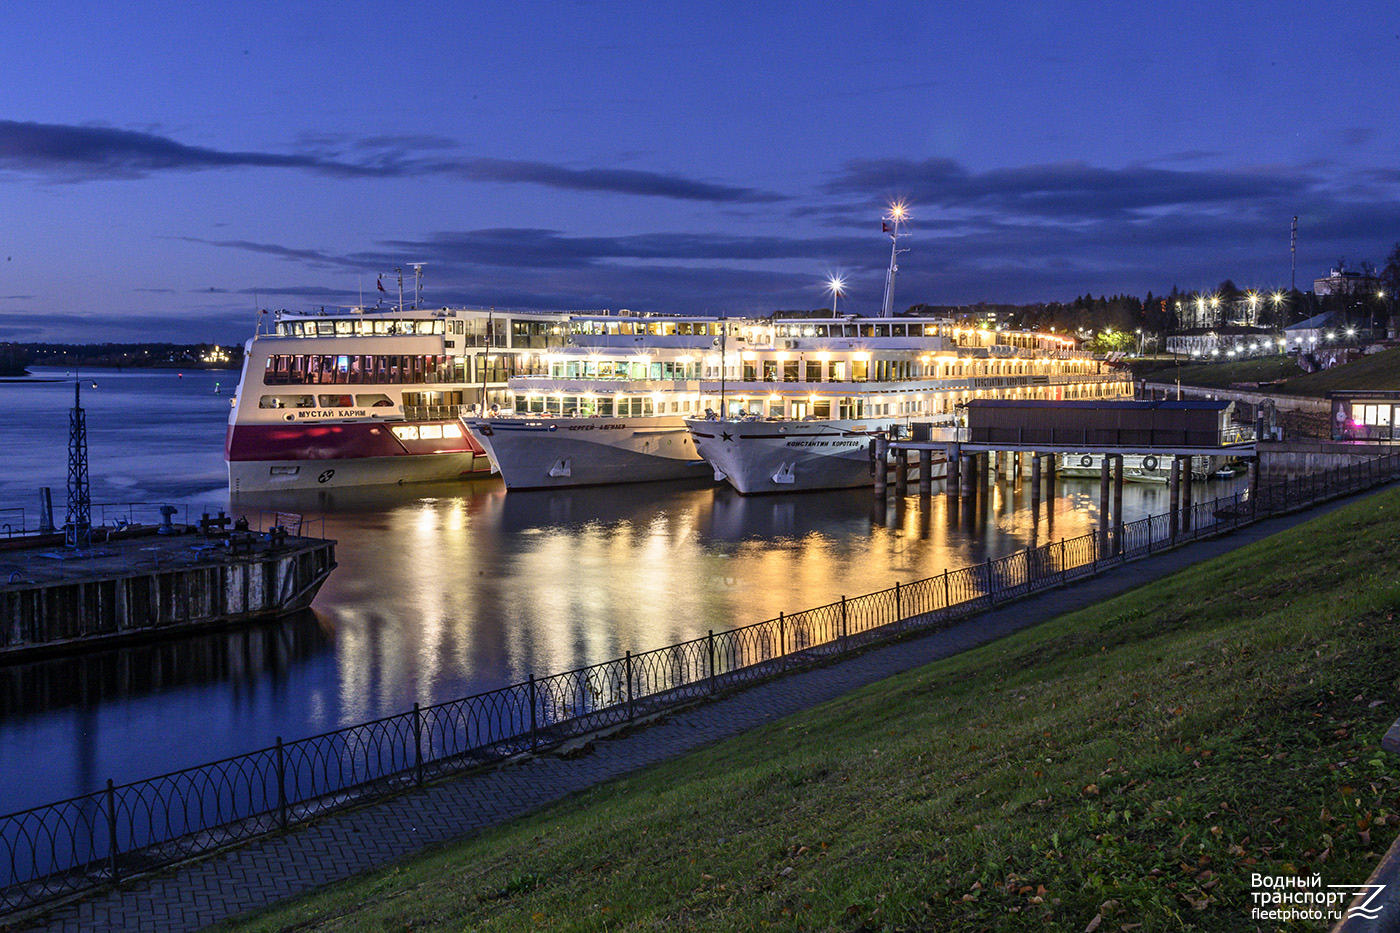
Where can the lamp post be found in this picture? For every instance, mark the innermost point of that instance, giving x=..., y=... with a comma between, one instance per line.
x=836, y=285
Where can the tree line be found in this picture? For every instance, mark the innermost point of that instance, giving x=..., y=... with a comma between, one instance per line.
x=16, y=357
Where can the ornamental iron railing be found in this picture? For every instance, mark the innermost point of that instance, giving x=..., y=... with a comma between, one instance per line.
x=99, y=838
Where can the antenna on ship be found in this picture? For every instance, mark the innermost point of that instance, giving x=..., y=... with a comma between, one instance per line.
x=400, y=272
x=417, y=284
x=892, y=224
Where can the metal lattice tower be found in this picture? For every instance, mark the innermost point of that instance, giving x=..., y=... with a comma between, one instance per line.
x=78, y=530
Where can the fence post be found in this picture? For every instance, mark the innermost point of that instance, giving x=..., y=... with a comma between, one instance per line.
x=987, y=582
x=782, y=637
x=898, y=605
x=112, y=830
x=1064, y=574
x=844, y=629
x=281, y=785
x=947, y=596
x=417, y=743
x=630, y=711
x=534, y=723
x=710, y=641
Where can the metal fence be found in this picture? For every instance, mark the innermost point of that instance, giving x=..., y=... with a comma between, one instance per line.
x=99, y=838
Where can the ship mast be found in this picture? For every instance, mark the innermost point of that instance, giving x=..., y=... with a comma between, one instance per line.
x=892, y=224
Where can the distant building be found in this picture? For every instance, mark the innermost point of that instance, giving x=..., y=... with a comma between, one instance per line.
x=1221, y=343
x=1343, y=281
x=1313, y=331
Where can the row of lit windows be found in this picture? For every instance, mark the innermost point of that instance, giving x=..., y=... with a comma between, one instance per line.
x=390, y=369
x=792, y=370
x=366, y=327
x=620, y=406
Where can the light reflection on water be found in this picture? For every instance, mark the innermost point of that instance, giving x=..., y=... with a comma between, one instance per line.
x=442, y=591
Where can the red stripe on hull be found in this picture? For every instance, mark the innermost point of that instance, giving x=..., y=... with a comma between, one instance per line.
x=332, y=442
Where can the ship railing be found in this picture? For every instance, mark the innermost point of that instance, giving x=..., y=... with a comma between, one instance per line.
x=434, y=412
x=101, y=838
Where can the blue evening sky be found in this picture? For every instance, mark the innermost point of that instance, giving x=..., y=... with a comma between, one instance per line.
x=167, y=168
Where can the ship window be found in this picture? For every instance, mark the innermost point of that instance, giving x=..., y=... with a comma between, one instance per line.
x=770, y=370
x=344, y=327
x=430, y=431
x=373, y=400
x=790, y=370
x=336, y=401
x=408, y=432
x=821, y=410
x=838, y=371
x=286, y=401
x=860, y=370
x=451, y=430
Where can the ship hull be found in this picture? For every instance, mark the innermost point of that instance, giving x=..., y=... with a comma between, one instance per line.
x=771, y=456
x=544, y=453
x=267, y=458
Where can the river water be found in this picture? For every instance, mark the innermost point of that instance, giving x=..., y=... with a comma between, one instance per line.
x=441, y=591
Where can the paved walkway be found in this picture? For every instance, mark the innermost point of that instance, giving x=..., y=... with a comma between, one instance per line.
x=279, y=867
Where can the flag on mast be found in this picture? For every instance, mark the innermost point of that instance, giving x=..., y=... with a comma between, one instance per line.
x=381, y=283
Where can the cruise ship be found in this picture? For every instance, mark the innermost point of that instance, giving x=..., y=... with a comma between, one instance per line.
x=812, y=428
x=610, y=407
x=371, y=396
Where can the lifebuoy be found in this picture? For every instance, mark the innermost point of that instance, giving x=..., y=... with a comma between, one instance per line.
x=485, y=430
x=1149, y=462
x=1086, y=460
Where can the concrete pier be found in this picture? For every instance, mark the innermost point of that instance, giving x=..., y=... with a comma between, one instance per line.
x=142, y=584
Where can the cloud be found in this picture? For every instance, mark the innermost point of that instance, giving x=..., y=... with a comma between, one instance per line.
x=615, y=181
x=84, y=153
x=1065, y=191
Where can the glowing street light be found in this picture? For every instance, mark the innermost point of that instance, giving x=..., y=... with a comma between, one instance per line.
x=837, y=286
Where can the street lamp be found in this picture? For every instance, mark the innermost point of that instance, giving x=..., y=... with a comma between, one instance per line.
x=837, y=286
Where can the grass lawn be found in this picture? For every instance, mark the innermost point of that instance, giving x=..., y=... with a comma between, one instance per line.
x=1127, y=767
x=1377, y=371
